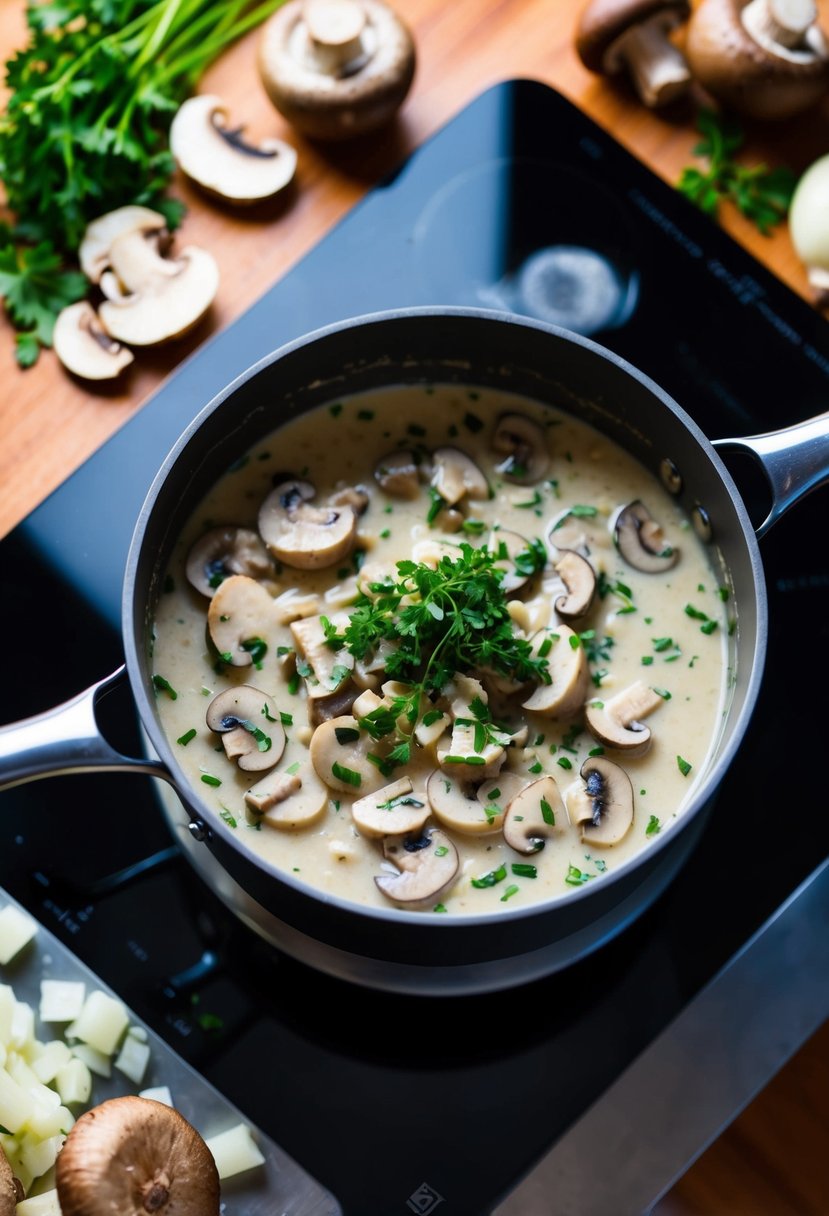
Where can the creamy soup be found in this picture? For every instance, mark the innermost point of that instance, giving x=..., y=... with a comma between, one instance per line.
x=441, y=649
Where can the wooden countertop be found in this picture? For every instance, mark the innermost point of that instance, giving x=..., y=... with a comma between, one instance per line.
x=50, y=422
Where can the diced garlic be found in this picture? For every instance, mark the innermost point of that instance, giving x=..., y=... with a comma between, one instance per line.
x=61, y=1000
x=17, y=929
x=235, y=1151
x=158, y=1093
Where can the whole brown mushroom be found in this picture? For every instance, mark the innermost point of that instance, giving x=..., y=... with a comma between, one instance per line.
x=765, y=59
x=135, y=1156
x=614, y=36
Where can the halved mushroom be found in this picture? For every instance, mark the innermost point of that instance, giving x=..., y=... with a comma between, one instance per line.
x=84, y=347
x=11, y=1190
x=249, y=725
x=94, y=255
x=523, y=443
x=568, y=670
x=534, y=815
x=604, y=804
x=325, y=670
x=507, y=546
x=303, y=536
x=457, y=476
x=225, y=551
x=641, y=541
x=289, y=801
x=397, y=475
x=456, y=806
x=618, y=722
x=579, y=581
x=152, y=298
x=219, y=159
x=339, y=753
x=132, y=1156
x=427, y=865
x=239, y=615
x=393, y=810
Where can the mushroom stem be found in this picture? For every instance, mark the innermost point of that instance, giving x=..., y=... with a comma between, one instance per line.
x=779, y=23
x=819, y=280
x=336, y=29
x=657, y=68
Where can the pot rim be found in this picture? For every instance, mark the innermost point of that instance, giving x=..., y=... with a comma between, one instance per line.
x=708, y=782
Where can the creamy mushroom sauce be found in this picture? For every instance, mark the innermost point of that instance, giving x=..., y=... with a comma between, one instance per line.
x=666, y=630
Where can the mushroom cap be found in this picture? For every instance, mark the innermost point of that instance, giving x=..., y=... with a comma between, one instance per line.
x=220, y=161
x=618, y=722
x=427, y=866
x=84, y=347
x=579, y=579
x=536, y=813
x=457, y=476
x=225, y=551
x=240, y=611
x=152, y=299
x=250, y=726
x=569, y=674
x=604, y=807
x=301, y=535
x=397, y=474
x=514, y=543
x=640, y=540
x=738, y=70
x=523, y=443
x=603, y=21
x=395, y=810
x=132, y=1156
x=350, y=97
x=11, y=1192
x=339, y=741
x=93, y=253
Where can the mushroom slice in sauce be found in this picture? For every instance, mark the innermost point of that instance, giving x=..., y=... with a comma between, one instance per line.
x=536, y=813
x=618, y=722
x=394, y=810
x=603, y=805
x=301, y=535
x=523, y=443
x=250, y=727
x=329, y=668
x=579, y=581
x=397, y=475
x=456, y=806
x=568, y=670
x=289, y=801
x=132, y=1156
x=239, y=615
x=457, y=476
x=507, y=546
x=225, y=551
x=339, y=754
x=641, y=541
x=427, y=866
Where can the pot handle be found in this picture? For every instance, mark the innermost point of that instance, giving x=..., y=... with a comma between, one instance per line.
x=794, y=460
x=64, y=740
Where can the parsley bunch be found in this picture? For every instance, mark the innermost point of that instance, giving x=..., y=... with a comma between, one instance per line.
x=761, y=194
x=85, y=130
x=450, y=619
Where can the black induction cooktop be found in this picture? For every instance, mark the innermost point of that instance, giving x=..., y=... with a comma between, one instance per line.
x=398, y=1104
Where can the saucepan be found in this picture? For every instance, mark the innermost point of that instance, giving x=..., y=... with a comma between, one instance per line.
x=394, y=949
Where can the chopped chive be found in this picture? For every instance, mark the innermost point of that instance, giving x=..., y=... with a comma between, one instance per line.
x=293, y=769
x=347, y=775
x=187, y=736
x=547, y=813
x=522, y=870
x=439, y=908
x=647, y=660
x=285, y=719
x=576, y=877
x=165, y=686
x=708, y=627
x=464, y=760
x=508, y=894
x=684, y=766
x=441, y=850
x=346, y=734
x=293, y=684
x=661, y=692
x=490, y=879
x=564, y=762
x=536, y=768
x=229, y=819
x=209, y=779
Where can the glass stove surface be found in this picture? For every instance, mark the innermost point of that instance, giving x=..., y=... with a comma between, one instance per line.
x=519, y=203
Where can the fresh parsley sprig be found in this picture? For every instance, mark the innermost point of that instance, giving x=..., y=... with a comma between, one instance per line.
x=761, y=194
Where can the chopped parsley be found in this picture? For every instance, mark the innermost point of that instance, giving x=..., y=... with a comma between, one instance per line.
x=576, y=877
x=684, y=766
x=490, y=879
x=348, y=775
x=653, y=827
x=508, y=894
x=165, y=686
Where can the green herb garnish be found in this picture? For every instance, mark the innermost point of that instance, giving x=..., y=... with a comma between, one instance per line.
x=490, y=879
x=348, y=775
x=165, y=686
x=187, y=736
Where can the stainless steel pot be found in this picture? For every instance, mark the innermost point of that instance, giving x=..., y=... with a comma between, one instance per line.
x=409, y=951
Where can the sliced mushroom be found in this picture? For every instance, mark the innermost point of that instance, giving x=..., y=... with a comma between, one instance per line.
x=329, y=669
x=250, y=727
x=457, y=476
x=641, y=541
x=427, y=865
x=336, y=68
x=323, y=709
x=394, y=810
x=568, y=670
x=239, y=615
x=94, y=255
x=507, y=546
x=603, y=806
x=397, y=475
x=301, y=535
x=356, y=497
x=289, y=801
x=151, y=298
x=132, y=1156
x=523, y=443
x=579, y=581
x=456, y=806
x=11, y=1190
x=220, y=160
x=225, y=551
x=84, y=347
x=339, y=754
x=534, y=815
x=618, y=722
x=292, y=605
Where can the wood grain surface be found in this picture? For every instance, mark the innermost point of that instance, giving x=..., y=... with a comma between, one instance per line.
x=772, y=1162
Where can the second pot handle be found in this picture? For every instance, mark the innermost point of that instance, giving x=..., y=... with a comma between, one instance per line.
x=64, y=740
x=794, y=460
